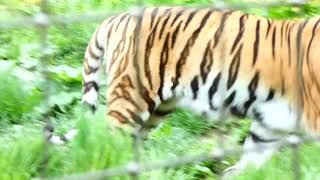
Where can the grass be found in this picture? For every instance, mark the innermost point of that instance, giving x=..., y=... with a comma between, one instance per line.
x=22, y=110
x=97, y=148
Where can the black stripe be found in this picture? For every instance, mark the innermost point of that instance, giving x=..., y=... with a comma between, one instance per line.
x=299, y=34
x=121, y=19
x=270, y=95
x=91, y=69
x=234, y=68
x=269, y=27
x=108, y=35
x=299, y=38
x=92, y=54
x=252, y=92
x=219, y=31
x=234, y=110
x=143, y=92
x=206, y=63
x=186, y=50
x=177, y=16
x=149, y=45
x=287, y=28
x=174, y=35
x=153, y=16
x=120, y=117
x=162, y=67
x=93, y=108
x=136, y=118
x=190, y=17
x=299, y=51
x=146, y=97
x=111, y=19
x=229, y=99
x=258, y=139
x=161, y=113
x=254, y=83
x=89, y=85
x=126, y=95
x=281, y=38
x=213, y=89
x=289, y=44
x=256, y=44
x=96, y=40
x=164, y=24
x=195, y=87
x=274, y=42
x=64, y=138
x=121, y=45
x=257, y=116
x=240, y=33
x=311, y=40
x=49, y=128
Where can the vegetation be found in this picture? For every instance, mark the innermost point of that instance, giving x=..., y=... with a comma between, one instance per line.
x=23, y=110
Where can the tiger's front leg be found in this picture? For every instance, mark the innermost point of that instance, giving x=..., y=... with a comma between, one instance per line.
x=273, y=121
x=258, y=147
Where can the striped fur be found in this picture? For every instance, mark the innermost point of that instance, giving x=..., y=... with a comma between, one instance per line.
x=216, y=63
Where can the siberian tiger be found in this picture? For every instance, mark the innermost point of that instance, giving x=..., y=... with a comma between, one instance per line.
x=216, y=63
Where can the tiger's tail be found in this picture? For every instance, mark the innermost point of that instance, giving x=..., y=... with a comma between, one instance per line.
x=90, y=73
x=56, y=139
x=91, y=70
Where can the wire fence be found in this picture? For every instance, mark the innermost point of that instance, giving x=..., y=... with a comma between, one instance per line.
x=43, y=21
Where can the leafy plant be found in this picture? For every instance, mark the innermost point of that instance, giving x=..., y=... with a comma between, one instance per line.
x=17, y=97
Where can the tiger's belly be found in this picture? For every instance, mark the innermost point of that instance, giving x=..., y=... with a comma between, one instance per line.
x=258, y=103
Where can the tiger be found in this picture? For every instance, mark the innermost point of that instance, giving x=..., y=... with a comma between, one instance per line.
x=216, y=63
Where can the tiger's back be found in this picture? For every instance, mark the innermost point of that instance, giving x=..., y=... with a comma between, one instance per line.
x=216, y=63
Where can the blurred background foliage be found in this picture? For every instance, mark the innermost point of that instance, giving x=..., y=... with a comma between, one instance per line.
x=22, y=108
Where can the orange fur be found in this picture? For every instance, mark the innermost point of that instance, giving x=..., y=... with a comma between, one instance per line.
x=173, y=41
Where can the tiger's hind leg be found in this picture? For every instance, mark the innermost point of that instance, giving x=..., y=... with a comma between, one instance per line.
x=258, y=147
x=158, y=116
x=130, y=108
x=273, y=121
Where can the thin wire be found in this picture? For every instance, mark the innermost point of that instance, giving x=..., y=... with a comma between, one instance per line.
x=300, y=106
x=137, y=143
x=57, y=20
x=43, y=24
x=90, y=17
x=179, y=161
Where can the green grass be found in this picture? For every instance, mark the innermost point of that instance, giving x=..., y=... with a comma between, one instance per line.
x=22, y=109
x=17, y=96
x=21, y=152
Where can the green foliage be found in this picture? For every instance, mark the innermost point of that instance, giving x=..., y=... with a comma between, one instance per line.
x=17, y=96
x=70, y=51
x=281, y=165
